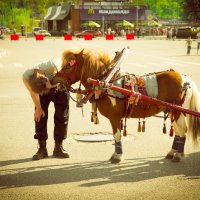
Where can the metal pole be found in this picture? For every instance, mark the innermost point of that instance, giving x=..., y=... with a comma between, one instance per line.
x=137, y=16
x=103, y=28
x=26, y=25
x=12, y=5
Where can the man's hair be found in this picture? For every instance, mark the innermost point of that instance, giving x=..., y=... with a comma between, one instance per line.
x=37, y=82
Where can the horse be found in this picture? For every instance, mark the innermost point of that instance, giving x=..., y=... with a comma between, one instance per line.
x=172, y=87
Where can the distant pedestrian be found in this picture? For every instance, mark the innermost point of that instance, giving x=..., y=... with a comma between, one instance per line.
x=198, y=41
x=174, y=33
x=189, y=45
x=109, y=30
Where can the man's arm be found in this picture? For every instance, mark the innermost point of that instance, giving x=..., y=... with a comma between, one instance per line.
x=39, y=112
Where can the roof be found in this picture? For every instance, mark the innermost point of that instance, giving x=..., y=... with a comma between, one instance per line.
x=51, y=12
x=58, y=12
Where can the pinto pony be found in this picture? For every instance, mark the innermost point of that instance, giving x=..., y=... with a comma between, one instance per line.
x=172, y=87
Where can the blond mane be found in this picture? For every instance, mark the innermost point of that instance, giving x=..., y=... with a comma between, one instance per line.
x=95, y=63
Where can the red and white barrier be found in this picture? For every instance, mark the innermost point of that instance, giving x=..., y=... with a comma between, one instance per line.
x=68, y=37
x=87, y=37
x=14, y=37
x=130, y=36
x=109, y=36
x=39, y=37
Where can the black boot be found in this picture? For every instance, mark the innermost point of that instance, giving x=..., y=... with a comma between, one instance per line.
x=58, y=151
x=42, y=151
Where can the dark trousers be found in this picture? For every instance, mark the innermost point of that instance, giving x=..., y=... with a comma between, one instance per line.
x=61, y=116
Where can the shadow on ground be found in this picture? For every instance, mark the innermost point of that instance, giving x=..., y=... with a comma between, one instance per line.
x=99, y=173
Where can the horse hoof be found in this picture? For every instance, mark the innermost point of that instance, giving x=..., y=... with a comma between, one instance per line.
x=116, y=158
x=176, y=159
x=169, y=157
x=113, y=157
x=115, y=161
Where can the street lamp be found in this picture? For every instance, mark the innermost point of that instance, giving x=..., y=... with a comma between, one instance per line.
x=12, y=6
x=137, y=15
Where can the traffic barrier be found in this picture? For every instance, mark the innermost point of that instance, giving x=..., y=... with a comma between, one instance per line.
x=39, y=37
x=109, y=37
x=130, y=36
x=87, y=37
x=14, y=37
x=68, y=37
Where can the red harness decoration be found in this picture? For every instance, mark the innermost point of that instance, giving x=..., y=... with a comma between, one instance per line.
x=134, y=83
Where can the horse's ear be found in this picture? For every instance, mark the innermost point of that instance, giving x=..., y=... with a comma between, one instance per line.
x=37, y=72
x=81, y=53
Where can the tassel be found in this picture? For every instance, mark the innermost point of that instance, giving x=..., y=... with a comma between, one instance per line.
x=96, y=119
x=171, y=133
x=79, y=97
x=143, y=126
x=164, y=129
x=139, y=126
x=92, y=116
x=121, y=124
x=125, y=132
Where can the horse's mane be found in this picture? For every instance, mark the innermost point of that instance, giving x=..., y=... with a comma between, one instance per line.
x=91, y=63
x=95, y=63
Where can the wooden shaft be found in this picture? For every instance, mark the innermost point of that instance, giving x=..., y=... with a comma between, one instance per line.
x=144, y=97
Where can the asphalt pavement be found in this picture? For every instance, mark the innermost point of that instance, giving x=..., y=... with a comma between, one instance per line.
x=87, y=174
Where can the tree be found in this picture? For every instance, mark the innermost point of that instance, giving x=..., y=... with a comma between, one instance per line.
x=192, y=10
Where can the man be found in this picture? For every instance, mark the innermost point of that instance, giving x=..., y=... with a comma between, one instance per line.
x=198, y=41
x=38, y=83
x=189, y=45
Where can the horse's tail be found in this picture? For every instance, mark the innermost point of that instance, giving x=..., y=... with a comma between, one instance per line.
x=194, y=122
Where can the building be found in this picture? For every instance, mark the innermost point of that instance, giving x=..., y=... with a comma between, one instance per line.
x=68, y=17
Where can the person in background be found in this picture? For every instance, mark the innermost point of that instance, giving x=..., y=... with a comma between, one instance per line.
x=198, y=42
x=189, y=45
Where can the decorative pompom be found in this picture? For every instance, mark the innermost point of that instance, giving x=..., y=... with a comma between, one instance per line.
x=96, y=119
x=78, y=96
x=121, y=124
x=139, y=127
x=143, y=126
x=92, y=116
x=171, y=133
x=164, y=129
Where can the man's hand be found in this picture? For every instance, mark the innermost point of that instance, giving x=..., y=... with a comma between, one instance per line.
x=39, y=112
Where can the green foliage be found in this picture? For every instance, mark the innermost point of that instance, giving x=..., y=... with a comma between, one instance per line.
x=27, y=11
x=192, y=8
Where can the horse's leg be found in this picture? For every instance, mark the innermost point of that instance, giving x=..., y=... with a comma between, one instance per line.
x=118, y=154
x=180, y=129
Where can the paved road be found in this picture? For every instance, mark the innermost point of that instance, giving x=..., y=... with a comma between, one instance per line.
x=87, y=175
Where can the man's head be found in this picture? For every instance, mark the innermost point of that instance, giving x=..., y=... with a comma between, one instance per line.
x=39, y=83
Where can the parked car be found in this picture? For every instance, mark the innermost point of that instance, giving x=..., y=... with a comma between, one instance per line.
x=88, y=32
x=185, y=32
x=43, y=32
x=5, y=30
x=35, y=30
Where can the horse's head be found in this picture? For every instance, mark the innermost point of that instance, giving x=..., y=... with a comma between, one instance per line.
x=71, y=66
x=83, y=64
